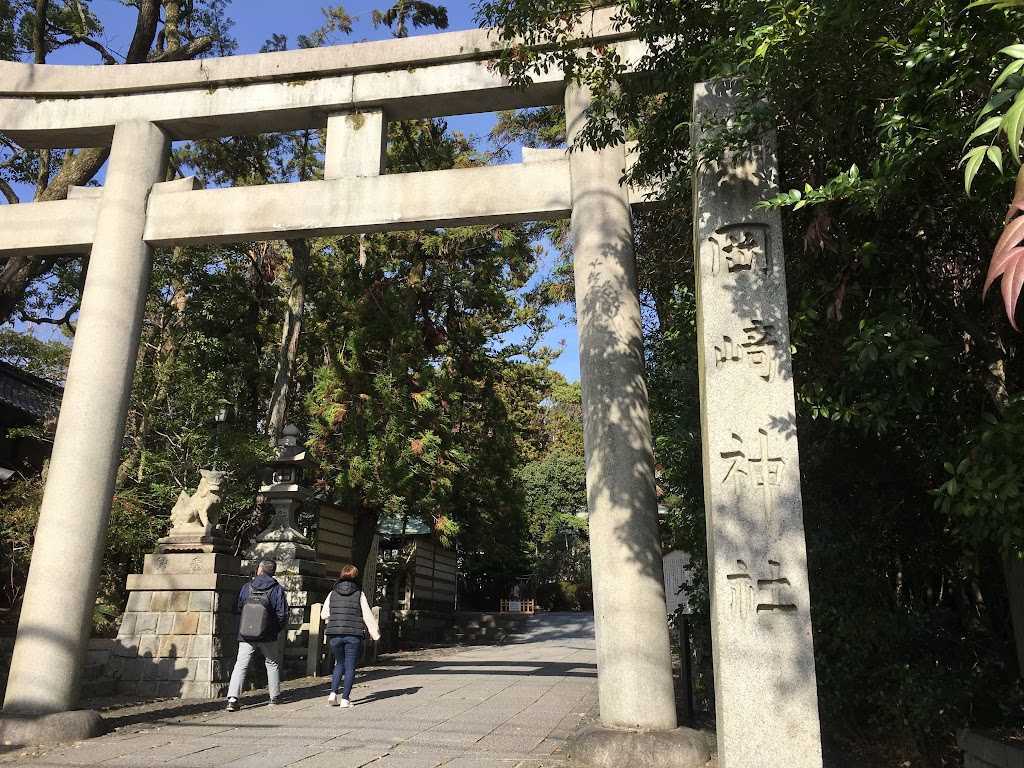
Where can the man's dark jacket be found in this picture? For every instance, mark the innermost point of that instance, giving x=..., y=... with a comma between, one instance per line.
x=278, y=606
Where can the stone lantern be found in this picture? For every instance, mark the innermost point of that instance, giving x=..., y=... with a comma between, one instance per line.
x=283, y=489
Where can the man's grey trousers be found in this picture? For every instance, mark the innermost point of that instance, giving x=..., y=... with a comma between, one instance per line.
x=272, y=652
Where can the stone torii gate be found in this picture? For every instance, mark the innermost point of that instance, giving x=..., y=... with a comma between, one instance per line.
x=765, y=684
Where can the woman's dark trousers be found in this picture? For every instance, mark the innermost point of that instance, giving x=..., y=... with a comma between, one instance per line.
x=346, y=650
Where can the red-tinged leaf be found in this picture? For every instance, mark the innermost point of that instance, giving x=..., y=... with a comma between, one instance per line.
x=1001, y=265
x=1015, y=206
x=1013, y=281
x=1011, y=236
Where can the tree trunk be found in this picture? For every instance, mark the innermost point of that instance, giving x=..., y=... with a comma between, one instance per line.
x=291, y=330
x=145, y=32
x=39, y=31
x=172, y=22
x=362, y=537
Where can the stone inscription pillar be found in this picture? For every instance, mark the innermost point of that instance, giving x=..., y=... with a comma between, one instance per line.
x=56, y=616
x=633, y=657
x=765, y=690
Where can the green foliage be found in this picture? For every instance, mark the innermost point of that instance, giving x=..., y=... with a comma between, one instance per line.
x=8, y=24
x=982, y=495
x=336, y=21
x=998, y=5
x=20, y=504
x=846, y=186
x=542, y=127
x=417, y=12
x=554, y=491
x=1002, y=116
x=565, y=596
x=895, y=356
x=47, y=359
x=421, y=408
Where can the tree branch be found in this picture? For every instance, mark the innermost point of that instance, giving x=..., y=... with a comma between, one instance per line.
x=10, y=145
x=9, y=193
x=190, y=51
x=107, y=56
x=64, y=321
x=77, y=169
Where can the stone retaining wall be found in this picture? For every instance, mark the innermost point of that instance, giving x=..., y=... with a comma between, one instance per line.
x=96, y=680
x=472, y=627
x=981, y=751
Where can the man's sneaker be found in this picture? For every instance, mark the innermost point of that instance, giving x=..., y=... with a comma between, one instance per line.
x=332, y=700
x=232, y=705
x=345, y=703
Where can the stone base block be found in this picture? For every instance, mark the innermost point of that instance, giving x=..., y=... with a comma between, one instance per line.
x=199, y=542
x=179, y=630
x=611, y=748
x=57, y=728
x=293, y=556
x=192, y=563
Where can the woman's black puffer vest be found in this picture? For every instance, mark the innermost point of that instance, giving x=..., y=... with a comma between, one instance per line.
x=346, y=612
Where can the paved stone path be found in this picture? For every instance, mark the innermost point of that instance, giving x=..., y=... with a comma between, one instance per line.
x=509, y=706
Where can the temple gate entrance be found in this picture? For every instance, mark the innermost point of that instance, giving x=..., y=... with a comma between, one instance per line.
x=765, y=683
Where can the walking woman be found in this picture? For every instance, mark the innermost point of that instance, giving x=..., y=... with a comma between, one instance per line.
x=346, y=611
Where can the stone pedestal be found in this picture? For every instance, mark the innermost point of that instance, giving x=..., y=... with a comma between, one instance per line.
x=177, y=543
x=611, y=748
x=298, y=570
x=179, y=633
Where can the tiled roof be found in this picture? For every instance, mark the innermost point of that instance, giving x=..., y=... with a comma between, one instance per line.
x=29, y=394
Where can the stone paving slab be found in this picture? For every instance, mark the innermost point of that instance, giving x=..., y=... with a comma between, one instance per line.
x=509, y=706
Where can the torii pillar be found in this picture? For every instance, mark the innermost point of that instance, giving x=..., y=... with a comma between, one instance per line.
x=634, y=663
x=633, y=653
x=56, y=615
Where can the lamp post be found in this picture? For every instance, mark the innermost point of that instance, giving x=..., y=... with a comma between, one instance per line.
x=283, y=488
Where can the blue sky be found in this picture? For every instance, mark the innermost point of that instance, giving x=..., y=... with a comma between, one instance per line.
x=257, y=20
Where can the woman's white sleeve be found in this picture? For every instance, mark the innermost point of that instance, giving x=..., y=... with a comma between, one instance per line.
x=325, y=612
x=368, y=618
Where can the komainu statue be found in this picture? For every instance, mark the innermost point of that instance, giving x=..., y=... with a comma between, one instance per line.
x=199, y=512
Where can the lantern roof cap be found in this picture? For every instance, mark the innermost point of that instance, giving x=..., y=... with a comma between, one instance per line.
x=289, y=449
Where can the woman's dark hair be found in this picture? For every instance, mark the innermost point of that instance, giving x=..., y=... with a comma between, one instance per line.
x=350, y=572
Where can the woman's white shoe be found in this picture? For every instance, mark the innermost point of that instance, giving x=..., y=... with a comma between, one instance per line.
x=345, y=703
x=332, y=700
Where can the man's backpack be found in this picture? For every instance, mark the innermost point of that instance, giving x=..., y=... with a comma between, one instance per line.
x=255, y=614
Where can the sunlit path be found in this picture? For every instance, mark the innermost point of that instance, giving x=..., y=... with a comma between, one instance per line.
x=487, y=706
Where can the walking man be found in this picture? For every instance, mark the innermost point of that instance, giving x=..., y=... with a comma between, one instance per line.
x=347, y=612
x=264, y=612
